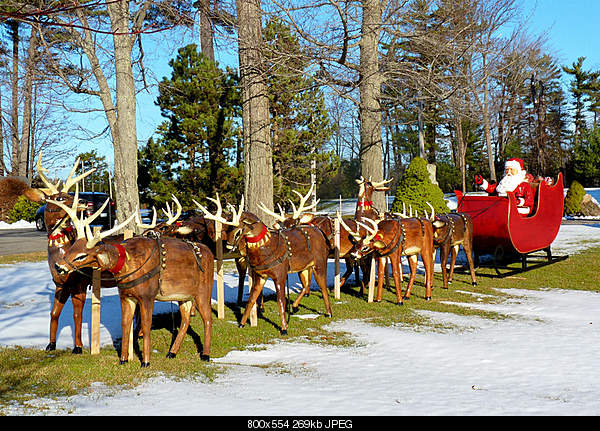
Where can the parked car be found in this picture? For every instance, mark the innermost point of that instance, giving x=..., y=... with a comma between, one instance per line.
x=94, y=201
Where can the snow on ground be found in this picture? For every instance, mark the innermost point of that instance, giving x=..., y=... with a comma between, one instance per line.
x=542, y=362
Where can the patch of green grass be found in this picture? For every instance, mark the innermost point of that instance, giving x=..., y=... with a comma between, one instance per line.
x=27, y=374
x=37, y=256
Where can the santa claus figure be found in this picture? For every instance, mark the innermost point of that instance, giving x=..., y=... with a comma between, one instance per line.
x=515, y=181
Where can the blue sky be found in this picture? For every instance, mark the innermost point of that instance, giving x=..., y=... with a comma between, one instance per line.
x=570, y=25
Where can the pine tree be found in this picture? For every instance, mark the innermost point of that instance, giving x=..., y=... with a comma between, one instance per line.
x=300, y=123
x=415, y=189
x=200, y=102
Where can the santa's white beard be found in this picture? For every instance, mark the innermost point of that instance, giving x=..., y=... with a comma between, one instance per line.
x=510, y=182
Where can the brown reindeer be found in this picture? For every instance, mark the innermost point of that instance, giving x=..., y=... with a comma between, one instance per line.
x=60, y=238
x=394, y=238
x=199, y=229
x=146, y=270
x=273, y=253
x=450, y=231
x=325, y=224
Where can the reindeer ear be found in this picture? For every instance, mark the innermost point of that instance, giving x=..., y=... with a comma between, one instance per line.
x=306, y=218
x=103, y=258
x=439, y=223
x=35, y=195
x=378, y=244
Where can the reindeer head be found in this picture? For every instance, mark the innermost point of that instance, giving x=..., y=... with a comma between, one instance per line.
x=234, y=228
x=54, y=217
x=87, y=250
x=367, y=187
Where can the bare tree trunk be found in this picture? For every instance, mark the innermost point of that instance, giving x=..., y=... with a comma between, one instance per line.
x=125, y=146
x=258, y=155
x=461, y=150
x=206, y=30
x=2, y=167
x=16, y=147
x=370, y=95
x=26, y=136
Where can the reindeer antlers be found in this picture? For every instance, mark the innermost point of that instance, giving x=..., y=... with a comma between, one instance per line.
x=82, y=226
x=235, y=221
x=68, y=183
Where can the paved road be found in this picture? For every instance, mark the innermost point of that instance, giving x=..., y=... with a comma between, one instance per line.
x=16, y=241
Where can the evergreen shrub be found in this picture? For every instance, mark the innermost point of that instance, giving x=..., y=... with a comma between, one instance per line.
x=574, y=198
x=24, y=209
x=415, y=189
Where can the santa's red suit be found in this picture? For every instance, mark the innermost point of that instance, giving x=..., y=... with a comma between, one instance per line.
x=514, y=181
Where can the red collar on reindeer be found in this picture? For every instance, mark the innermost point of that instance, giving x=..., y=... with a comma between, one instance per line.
x=61, y=234
x=120, y=260
x=365, y=203
x=258, y=237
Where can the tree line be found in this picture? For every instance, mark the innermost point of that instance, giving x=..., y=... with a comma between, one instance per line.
x=324, y=92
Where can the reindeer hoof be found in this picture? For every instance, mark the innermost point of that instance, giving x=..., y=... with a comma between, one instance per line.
x=50, y=347
x=204, y=357
x=171, y=355
x=406, y=298
x=284, y=332
x=77, y=350
x=123, y=362
x=145, y=364
x=400, y=303
x=241, y=325
x=295, y=309
x=474, y=284
x=428, y=298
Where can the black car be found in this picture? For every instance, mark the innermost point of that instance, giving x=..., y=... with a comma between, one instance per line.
x=94, y=201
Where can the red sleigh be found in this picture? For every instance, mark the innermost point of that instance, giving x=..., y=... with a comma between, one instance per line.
x=499, y=230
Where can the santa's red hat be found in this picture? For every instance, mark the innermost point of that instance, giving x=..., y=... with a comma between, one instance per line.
x=514, y=163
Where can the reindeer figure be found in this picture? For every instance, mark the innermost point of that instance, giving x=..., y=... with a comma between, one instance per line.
x=364, y=203
x=146, y=270
x=273, y=253
x=199, y=229
x=325, y=224
x=60, y=238
x=394, y=238
x=450, y=231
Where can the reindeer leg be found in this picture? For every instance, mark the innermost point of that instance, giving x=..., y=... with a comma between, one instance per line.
x=428, y=264
x=468, y=248
x=257, y=286
x=305, y=277
x=241, y=269
x=444, y=251
x=280, y=288
x=452, y=263
x=60, y=298
x=348, y=273
x=185, y=309
x=412, y=263
x=78, y=300
x=127, y=310
x=204, y=306
x=395, y=260
x=146, y=309
x=381, y=261
x=321, y=279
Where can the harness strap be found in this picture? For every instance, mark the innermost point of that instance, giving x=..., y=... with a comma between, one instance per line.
x=274, y=262
x=128, y=285
x=398, y=240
